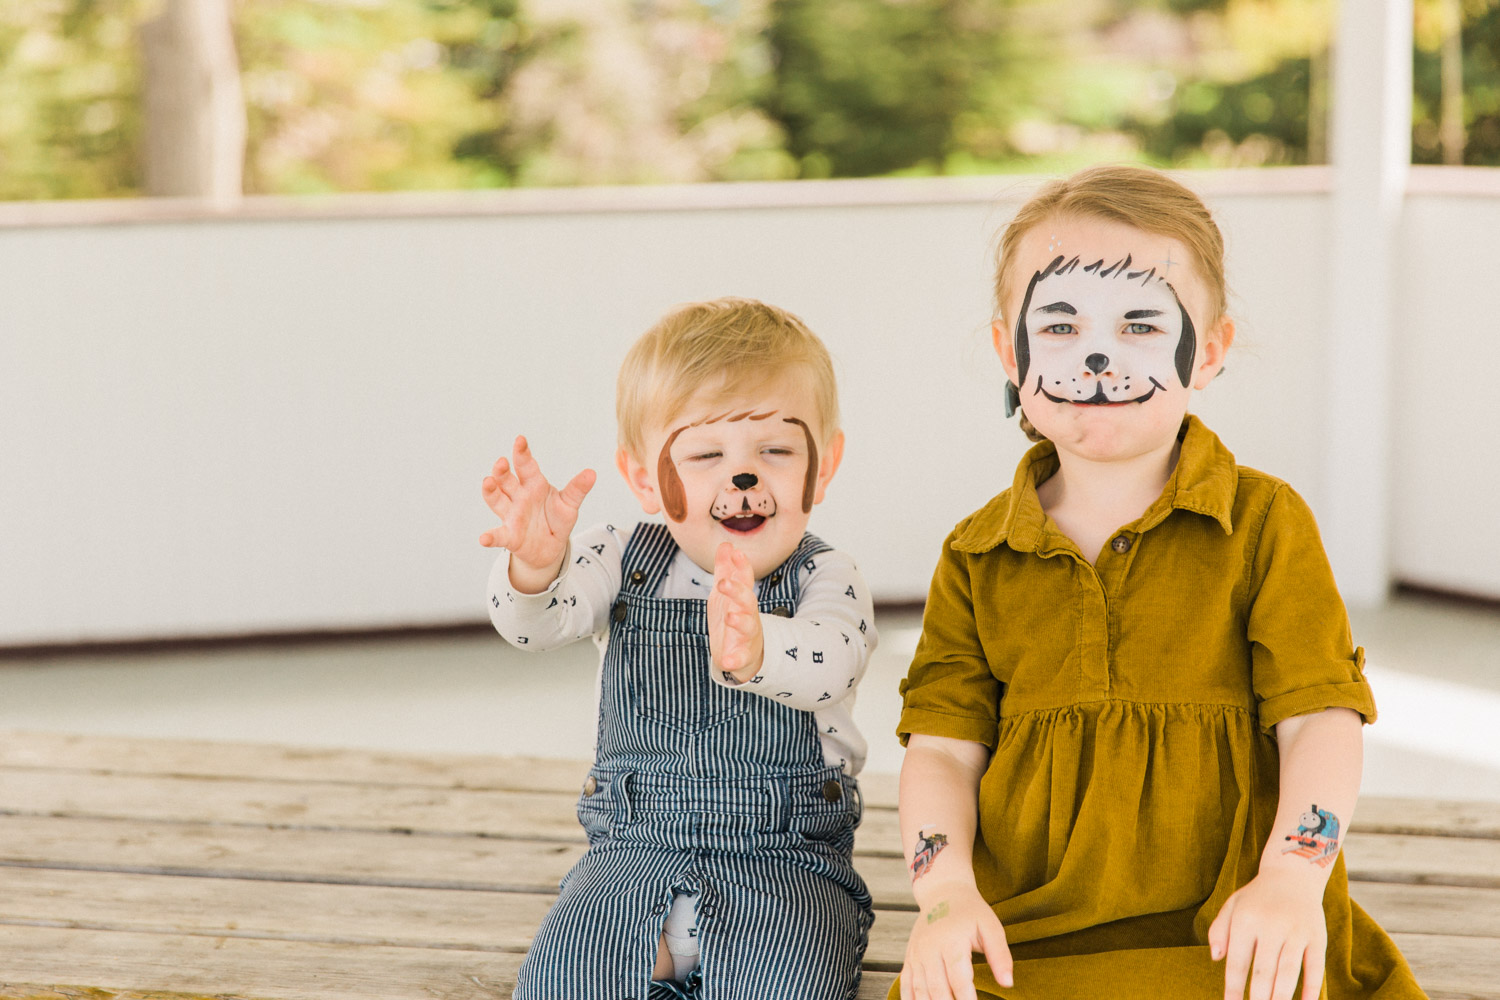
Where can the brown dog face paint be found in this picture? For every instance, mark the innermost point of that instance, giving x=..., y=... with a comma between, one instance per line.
x=745, y=469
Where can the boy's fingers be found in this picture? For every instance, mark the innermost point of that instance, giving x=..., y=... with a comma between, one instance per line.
x=524, y=461
x=578, y=487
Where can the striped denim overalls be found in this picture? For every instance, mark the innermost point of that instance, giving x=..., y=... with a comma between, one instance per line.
x=699, y=789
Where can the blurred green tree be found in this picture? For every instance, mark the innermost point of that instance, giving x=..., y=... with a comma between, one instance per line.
x=1457, y=58
x=863, y=88
x=69, y=109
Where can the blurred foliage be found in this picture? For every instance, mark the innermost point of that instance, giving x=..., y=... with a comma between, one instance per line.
x=352, y=95
x=1479, y=34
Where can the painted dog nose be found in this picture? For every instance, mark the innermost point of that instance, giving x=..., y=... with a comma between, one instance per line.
x=1096, y=363
x=745, y=481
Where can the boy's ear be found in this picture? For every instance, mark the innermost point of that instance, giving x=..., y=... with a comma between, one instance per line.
x=1005, y=346
x=828, y=464
x=638, y=478
x=1215, y=346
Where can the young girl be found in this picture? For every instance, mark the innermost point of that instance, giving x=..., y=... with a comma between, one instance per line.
x=1133, y=719
x=721, y=806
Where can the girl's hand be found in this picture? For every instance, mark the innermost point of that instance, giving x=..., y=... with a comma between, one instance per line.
x=536, y=519
x=1275, y=922
x=953, y=925
x=734, y=634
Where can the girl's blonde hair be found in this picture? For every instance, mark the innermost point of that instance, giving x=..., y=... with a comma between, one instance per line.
x=1145, y=199
x=735, y=345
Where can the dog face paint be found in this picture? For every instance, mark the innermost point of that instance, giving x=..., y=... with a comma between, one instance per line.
x=747, y=471
x=1102, y=333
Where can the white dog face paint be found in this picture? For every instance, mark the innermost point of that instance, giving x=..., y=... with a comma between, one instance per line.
x=1102, y=334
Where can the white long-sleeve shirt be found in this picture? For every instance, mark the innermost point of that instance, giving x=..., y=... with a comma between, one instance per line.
x=813, y=661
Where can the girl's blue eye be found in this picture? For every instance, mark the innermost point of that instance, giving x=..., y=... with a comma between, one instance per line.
x=1060, y=328
x=1140, y=328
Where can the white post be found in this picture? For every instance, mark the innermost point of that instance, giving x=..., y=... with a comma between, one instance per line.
x=1371, y=157
x=194, y=107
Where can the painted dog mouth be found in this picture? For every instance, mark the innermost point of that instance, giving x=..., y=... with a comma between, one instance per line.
x=743, y=522
x=1098, y=398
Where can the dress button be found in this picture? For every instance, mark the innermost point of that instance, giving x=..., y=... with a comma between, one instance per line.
x=590, y=786
x=781, y=611
x=832, y=790
x=1121, y=544
x=636, y=576
x=619, y=611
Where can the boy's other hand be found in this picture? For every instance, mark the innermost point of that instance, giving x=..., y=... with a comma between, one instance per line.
x=735, y=640
x=536, y=519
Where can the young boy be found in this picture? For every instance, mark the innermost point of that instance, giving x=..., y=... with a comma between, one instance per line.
x=721, y=806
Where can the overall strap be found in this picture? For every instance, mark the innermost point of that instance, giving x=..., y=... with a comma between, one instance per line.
x=783, y=585
x=647, y=555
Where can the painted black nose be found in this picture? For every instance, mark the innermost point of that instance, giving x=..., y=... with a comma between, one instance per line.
x=1096, y=363
x=745, y=481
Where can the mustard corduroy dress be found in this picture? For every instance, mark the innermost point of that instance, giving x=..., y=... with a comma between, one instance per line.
x=1130, y=709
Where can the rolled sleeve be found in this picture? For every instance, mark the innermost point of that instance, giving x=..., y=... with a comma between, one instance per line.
x=1303, y=658
x=950, y=690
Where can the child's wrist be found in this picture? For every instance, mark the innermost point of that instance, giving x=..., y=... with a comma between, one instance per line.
x=528, y=579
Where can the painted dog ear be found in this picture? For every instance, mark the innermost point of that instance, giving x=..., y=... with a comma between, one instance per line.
x=673, y=496
x=1012, y=398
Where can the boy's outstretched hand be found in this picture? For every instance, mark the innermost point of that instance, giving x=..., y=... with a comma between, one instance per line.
x=734, y=635
x=536, y=519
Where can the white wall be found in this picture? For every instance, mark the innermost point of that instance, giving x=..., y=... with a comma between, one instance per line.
x=279, y=420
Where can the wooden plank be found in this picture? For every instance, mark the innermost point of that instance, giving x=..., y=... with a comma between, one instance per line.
x=323, y=805
x=129, y=755
x=285, y=970
x=1431, y=909
x=275, y=970
x=415, y=861
x=468, y=920
x=1448, y=967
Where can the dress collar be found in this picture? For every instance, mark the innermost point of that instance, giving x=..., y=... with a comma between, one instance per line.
x=1204, y=482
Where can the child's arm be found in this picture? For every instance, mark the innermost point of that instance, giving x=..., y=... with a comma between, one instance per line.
x=939, y=810
x=1273, y=929
x=543, y=594
x=810, y=662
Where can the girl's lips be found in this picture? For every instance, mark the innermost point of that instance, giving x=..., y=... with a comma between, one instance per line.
x=743, y=523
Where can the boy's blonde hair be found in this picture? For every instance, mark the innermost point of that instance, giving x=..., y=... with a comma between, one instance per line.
x=732, y=343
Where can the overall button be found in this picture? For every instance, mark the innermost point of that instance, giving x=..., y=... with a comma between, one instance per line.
x=775, y=579
x=637, y=576
x=1121, y=544
x=659, y=909
x=618, y=612
x=781, y=611
x=590, y=786
x=832, y=790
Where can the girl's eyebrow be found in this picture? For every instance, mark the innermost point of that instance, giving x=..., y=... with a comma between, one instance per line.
x=1143, y=313
x=1057, y=307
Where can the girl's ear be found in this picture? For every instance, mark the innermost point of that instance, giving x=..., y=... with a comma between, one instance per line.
x=828, y=464
x=638, y=478
x=1005, y=346
x=1216, y=342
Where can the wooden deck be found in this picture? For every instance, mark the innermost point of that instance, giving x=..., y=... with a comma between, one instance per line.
x=144, y=869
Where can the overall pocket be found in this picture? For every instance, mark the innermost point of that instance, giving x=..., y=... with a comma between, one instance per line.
x=668, y=680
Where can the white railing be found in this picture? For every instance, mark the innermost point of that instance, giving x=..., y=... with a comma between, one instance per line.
x=277, y=419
